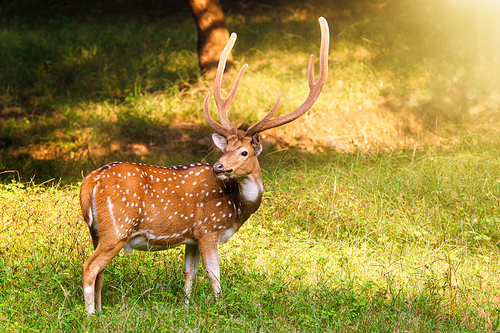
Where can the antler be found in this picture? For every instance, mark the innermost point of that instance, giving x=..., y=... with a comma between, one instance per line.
x=227, y=128
x=315, y=87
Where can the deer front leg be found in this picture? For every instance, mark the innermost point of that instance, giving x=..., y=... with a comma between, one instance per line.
x=191, y=260
x=210, y=257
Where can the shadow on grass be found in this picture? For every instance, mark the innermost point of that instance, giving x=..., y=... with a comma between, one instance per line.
x=53, y=73
x=173, y=146
x=57, y=78
x=55, y=64
x=46, y=65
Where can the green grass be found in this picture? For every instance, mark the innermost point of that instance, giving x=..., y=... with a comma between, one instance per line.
x=399, y=242
x=383, y=218
x=88, y=91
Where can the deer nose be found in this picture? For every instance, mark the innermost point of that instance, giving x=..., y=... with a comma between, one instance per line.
x=218, y=167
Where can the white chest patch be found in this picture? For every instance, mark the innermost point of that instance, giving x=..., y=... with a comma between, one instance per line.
x=251, y=189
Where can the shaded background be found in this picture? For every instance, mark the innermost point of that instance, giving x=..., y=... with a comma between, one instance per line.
x=84, y=83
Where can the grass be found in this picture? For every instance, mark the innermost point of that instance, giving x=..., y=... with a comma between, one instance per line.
x=381, y=205
x=398, y=242
x=88, y=91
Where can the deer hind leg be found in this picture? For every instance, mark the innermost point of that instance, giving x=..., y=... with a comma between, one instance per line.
x=210, y=257
x=100, y=276
x=93, y=275
x=97, y=290
x=191, y=260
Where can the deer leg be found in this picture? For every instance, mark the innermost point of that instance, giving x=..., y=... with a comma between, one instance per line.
x=100, y=276
x=192, y=260
x=92, y=268
x=97, y=290
x=210, y=257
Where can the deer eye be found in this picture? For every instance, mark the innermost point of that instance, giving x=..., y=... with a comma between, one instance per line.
x=244, y=153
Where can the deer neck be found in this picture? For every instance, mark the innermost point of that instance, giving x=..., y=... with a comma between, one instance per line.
x=248, y=192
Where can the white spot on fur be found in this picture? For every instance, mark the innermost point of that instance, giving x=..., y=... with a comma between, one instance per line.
x=110, y=208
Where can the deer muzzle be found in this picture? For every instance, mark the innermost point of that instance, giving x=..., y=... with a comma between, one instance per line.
x=220, y=170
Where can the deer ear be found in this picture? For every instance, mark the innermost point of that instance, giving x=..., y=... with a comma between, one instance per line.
x=256, y=144
x=219, y=140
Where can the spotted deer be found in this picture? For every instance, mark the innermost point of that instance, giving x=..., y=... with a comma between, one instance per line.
x=152, y=208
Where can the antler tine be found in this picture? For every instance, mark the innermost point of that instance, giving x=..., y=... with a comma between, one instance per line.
x=255, y=128
x=211, y=121
x=315, y=86
x=223, y=103
x=227, y=128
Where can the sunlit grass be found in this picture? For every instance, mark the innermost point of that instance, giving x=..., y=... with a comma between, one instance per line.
x=345, y=243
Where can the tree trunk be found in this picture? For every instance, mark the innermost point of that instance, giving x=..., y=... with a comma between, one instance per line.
x=212, y=33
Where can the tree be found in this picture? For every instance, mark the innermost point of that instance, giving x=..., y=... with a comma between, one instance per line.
x=212, y=33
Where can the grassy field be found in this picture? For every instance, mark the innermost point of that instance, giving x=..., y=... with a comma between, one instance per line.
x=404, y=242
x=381, y=205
